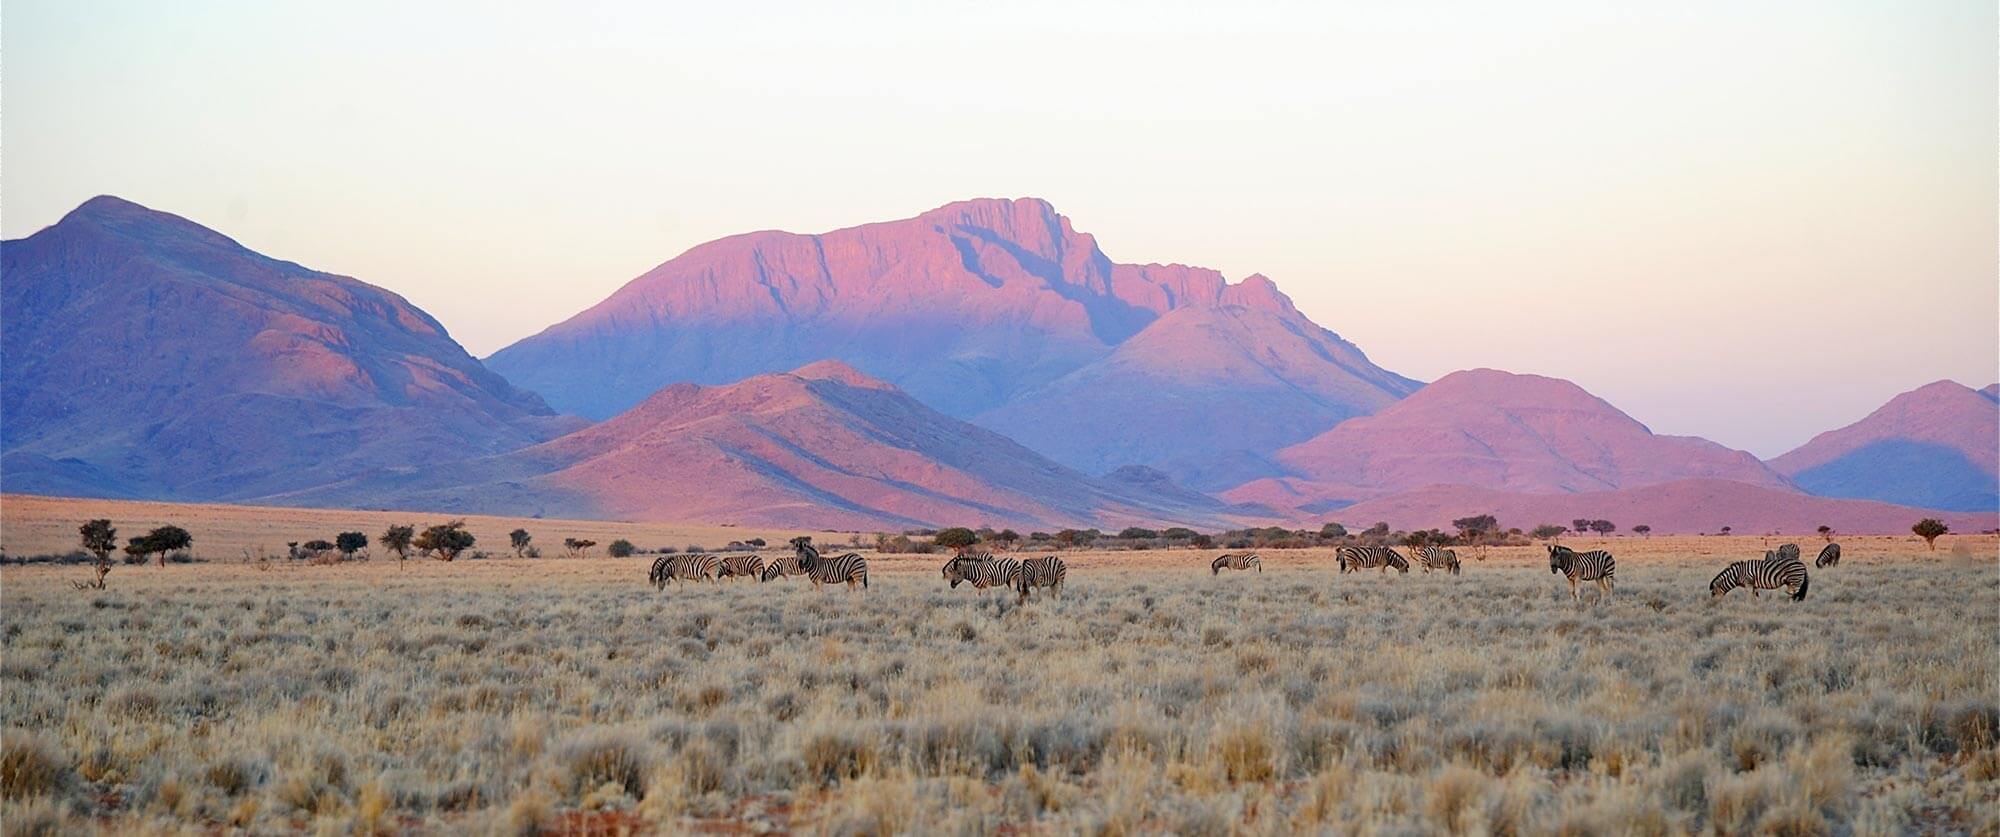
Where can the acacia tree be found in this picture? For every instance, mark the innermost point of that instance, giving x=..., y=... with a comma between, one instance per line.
x=1547, y=531
x=519, y=540
x=160, y=541
x=1643, y=529
x=1929, y=529
x=349, y=543
x=397, y=539
x=580, y=548
x=1473, y=528
x=956, y=538
x=1603, y=527
x=1826, y=532
x=1580, y=525
x=444, y=541
x=99, y=539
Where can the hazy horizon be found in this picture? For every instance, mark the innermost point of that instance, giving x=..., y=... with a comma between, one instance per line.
x=1754, y=228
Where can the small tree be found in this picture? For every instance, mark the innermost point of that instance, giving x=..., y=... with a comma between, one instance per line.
x=1603, y=527
x=1826, y=532
x=1202, y=542
x=1134, y=533
x=398, y=539
x=317, y=548
x=1643, y=529
x=621, y=548
x=519, y=540
x=580, y=547
x=1580, y=525
x=956, y=538
x=444, y=541
x=1473, y=528
x=161, y=541
x=1007, y=538
x=349, y=543
x=1725, y=530
x=1548, y=531
x=99, y=539
x=1929, y=529
x=1332, y=532
x=1377, y=532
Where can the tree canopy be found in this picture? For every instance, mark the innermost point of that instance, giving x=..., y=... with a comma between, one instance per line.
x=444, y=541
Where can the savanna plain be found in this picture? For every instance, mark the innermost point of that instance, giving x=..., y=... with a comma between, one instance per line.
x=568, y=696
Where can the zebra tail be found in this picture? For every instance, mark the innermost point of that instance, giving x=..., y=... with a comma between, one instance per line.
x=1804, y=582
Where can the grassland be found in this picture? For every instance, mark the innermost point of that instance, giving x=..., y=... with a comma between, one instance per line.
x=529, y=696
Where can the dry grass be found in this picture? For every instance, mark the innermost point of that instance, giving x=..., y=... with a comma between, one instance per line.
x=521, y=695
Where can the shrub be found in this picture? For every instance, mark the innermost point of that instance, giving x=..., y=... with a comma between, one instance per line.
x=957, y=537
x=621, y=548
x=444, y=541
x=28, y=767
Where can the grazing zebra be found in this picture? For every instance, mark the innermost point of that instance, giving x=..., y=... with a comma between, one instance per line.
x=781, y=567
x=1762, y=575
x=1048, y=572
x=1828, y=556
x=1437, y=558
x=982, y=570
x=840, y=569
x=1596, y=565
x=1241, y=561
x=1788, y=552
x=742, y=564
x=679, y=568
x=1354, y=559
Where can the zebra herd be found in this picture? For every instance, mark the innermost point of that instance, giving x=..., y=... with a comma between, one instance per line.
x=1780, y=568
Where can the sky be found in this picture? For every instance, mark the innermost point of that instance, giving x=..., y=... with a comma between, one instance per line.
x=1745, y=221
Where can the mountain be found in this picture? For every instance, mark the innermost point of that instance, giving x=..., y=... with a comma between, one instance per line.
x=1497, y=430
x=1937, y=446
x=995, y=310
x=823, y=446
x=1684, y=506
x=150, y=357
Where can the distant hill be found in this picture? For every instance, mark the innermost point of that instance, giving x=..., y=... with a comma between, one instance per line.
x=150, y=357
x=1683, y=506
x=993, y=310
x=1495, y=430
x=823, y=446
x=1936, y=446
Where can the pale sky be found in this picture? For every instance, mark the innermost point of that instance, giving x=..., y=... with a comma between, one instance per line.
x=1746, y=221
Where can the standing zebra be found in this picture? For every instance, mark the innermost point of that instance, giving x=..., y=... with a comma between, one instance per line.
x=982, y=570
x=1828, y=556
x=782, y=566
x=1762, y=575
x=1595, y=565
x=1788, y=552
x=1437, y=558
x=747, y=565
x=1240, y=561
x=1354, y=559
x=679, y=568
x=1048, y=572
x=840, y=569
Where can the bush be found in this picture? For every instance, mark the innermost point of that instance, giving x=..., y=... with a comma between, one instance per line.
x=621, y=548
x=957, y=537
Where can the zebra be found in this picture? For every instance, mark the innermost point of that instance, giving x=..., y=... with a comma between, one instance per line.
x=747, y=565
x=1828, y=556
x=1437, y=558
x=1048, y=572
x=678, y=568
x=847, y=569
x=1788, y=552
x=1242, y=561
x=1354, y=559
x=1762, y=575
x=982, y=570
x=1596, y=565
x=782, y=566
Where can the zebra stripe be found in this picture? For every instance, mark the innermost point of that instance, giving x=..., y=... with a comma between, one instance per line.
x=678, y=568
x=1354, y=559
x=840, y=569
x=1828, y=556
x=1437, y=558
x=982, y=570
x=1788, y=552
x=745, y=565
x=1596, y=565
x=1048, y=572
x=781, y=567
x=1762, y=575
x=1242, y=561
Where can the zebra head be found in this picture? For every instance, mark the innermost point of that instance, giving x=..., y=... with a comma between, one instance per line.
x=1558, y=556
x=954, y=571
x=1724, y=581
